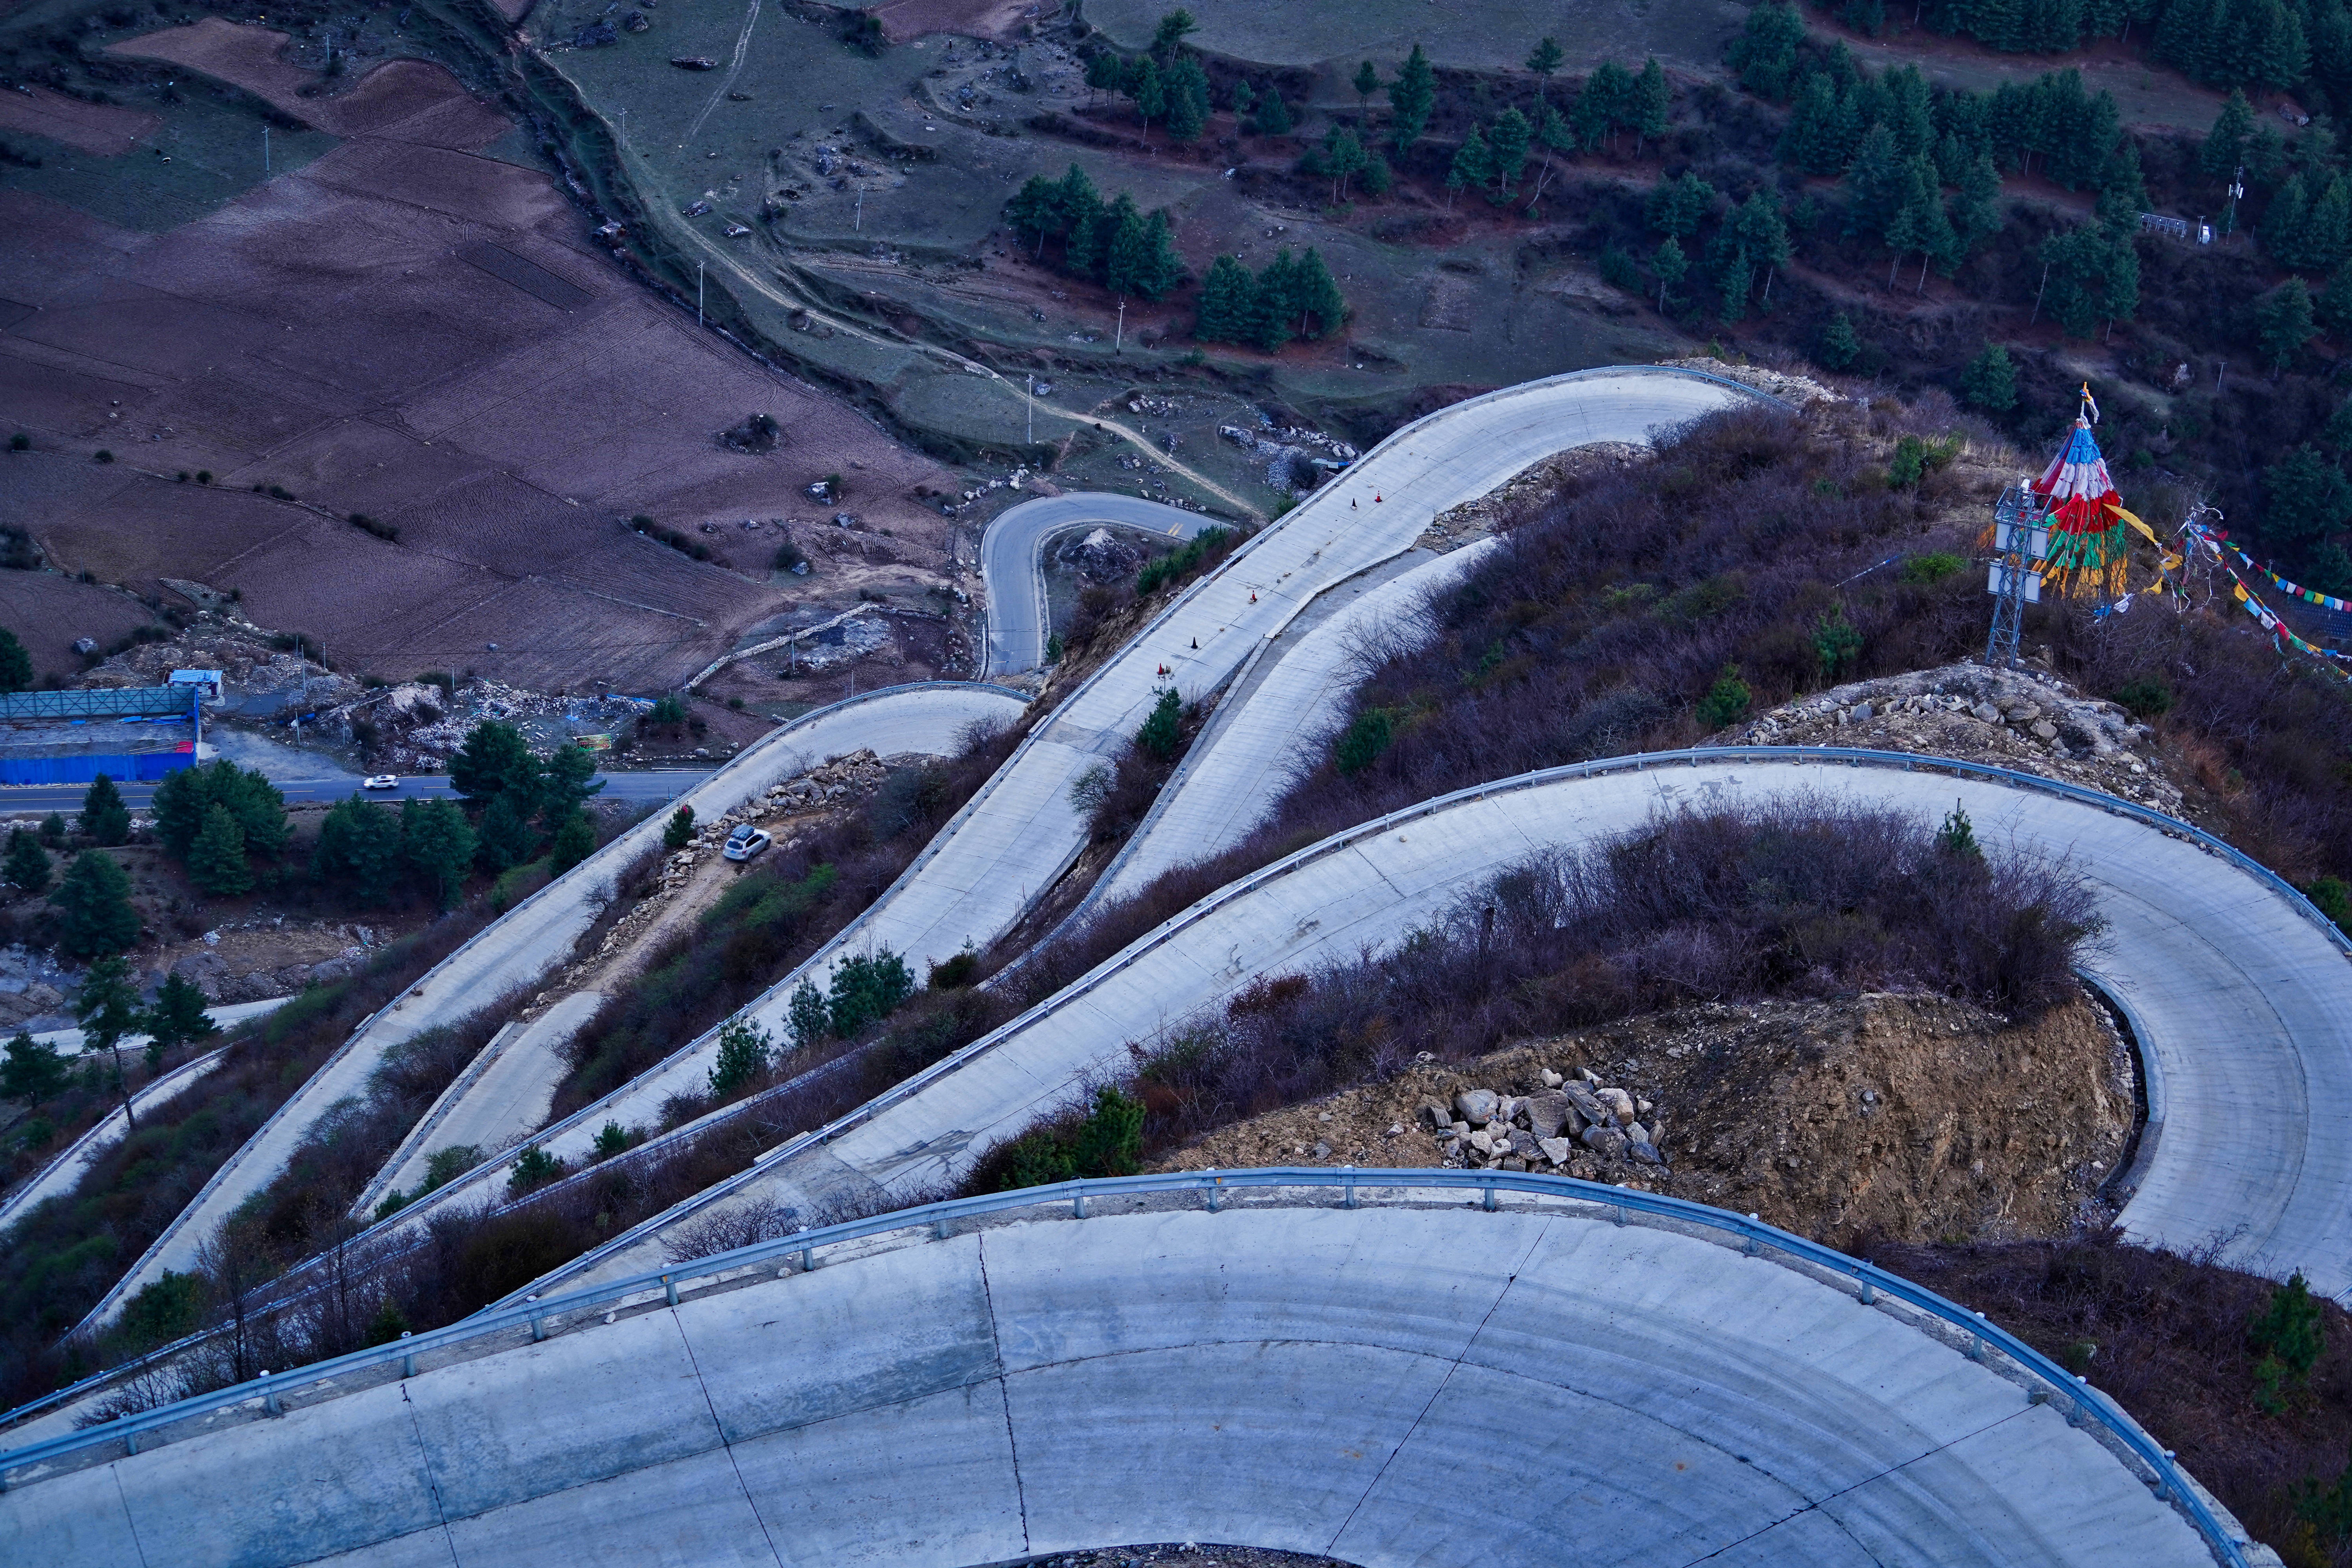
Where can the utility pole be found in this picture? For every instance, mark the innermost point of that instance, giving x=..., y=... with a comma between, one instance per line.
x=2237, y=190
x=861, y=209
x=1032, y=379
x=1118, y=343
x=697, y=293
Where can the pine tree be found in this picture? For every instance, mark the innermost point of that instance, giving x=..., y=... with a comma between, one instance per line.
x=1366, y=83
x=1509, y=140
x=1035, y=209
x=1149, y=91
x=179, y=1016
x=31, y=1071
x=1605, y=104
x=1876, y=186
x=1228, y=298
x=1652, y=103
x=1343, y=159
x=359, y=849
x=1991, y=381
x=1763, y=234
x=1670, y=264
x=1273, y=116
x=1976, y=209
x=2225, y=144
x=1543, y=60
x=1316, y=294
x=437, y=843
x=106, y=1008
x=1377, y=176
x=104, y=818
x=216, y=861
x=2123, y=195
x=1105, y=73
x=1075, y=200
x=1473, y=165
x=1161, y=268
x=2283, y=323
x=1124, y=259
x=2277, y=53
x=15, y=664
x=1733, y=280
x=1809, y=143
x=1272, y=304
x=574, y=841
x=1411, y=97
x=2335, y=304
x=94, y=904
x=2283, y=222
x=1910, y=110
x=1677, y=205
x=1838, y=347
x=1553, y=136
x=1082, y=252
x=1765, y=53
x=26, y=868
x=1174, y=28
x=1188, y=100
x=1242, y=97
x=504, y=838
x=2325, y=237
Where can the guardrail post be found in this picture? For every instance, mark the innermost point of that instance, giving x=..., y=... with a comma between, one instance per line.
x=129, y=1440
x=269, y=1396
x=537, y=1330
x=1869, y=1293
x=1350, y=1184
x=1078, y=1206
x=1617, y=1214
x=808, y=1259
x=669, y=1289
x=407, y=1361
x=939, y=1230
x=1976, y=1347
x=1214, y=1194
x=1490, y=1197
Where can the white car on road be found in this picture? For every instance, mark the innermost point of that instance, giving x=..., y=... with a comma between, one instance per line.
x=381, y=781
x=745, y=842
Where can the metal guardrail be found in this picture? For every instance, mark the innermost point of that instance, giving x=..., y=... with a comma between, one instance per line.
x=535, y=1320
x=1142, y=946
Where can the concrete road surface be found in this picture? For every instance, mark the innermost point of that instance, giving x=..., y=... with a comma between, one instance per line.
x=64, y=1173
x=1295, y=693
x=517, y=950
x=1017, y=837
x=2241, y=999
x=1011, y=563
x=1386, y=1386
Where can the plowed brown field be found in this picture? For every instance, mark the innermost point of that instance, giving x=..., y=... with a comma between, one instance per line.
x=407, y=330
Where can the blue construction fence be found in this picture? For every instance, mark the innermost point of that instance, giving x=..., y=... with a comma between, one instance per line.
x=123, y=767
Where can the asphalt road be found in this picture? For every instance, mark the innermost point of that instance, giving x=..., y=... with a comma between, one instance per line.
x=665, y=783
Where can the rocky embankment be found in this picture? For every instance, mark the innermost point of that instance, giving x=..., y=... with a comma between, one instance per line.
x=1911, y=1117
x=2027, y=719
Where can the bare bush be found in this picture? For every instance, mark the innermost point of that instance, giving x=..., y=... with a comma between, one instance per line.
x=724, y=1231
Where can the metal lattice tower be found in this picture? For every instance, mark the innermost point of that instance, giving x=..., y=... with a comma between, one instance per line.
x=2019, y=540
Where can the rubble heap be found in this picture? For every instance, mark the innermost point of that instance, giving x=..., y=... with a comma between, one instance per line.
x=2027, y=719
x=1486, y=1128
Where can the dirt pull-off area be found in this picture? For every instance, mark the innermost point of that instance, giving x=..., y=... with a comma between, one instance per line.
x=1908, y=1117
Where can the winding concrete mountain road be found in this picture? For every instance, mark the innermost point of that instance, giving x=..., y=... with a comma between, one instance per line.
x=1017, y=837
x=521, y=949
x=2241, y=994
x=1404, y=1382
x=1013, y=562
